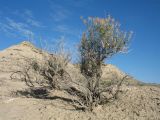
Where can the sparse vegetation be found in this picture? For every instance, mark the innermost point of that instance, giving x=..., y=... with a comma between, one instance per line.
x=102, y=39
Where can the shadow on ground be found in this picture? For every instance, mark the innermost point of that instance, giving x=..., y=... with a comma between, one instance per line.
x=41, y=93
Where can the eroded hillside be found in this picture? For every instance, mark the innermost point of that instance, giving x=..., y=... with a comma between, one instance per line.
x=134, y=102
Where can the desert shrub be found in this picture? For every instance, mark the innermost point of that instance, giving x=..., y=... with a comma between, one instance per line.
x=49, y=71
x=102, y=39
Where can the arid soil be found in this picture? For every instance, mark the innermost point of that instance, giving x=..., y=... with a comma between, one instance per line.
x=135, y=102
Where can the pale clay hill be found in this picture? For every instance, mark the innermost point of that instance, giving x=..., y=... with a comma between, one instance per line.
x=136, y=102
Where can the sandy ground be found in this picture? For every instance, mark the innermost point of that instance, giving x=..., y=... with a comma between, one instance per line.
x=135, y=103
